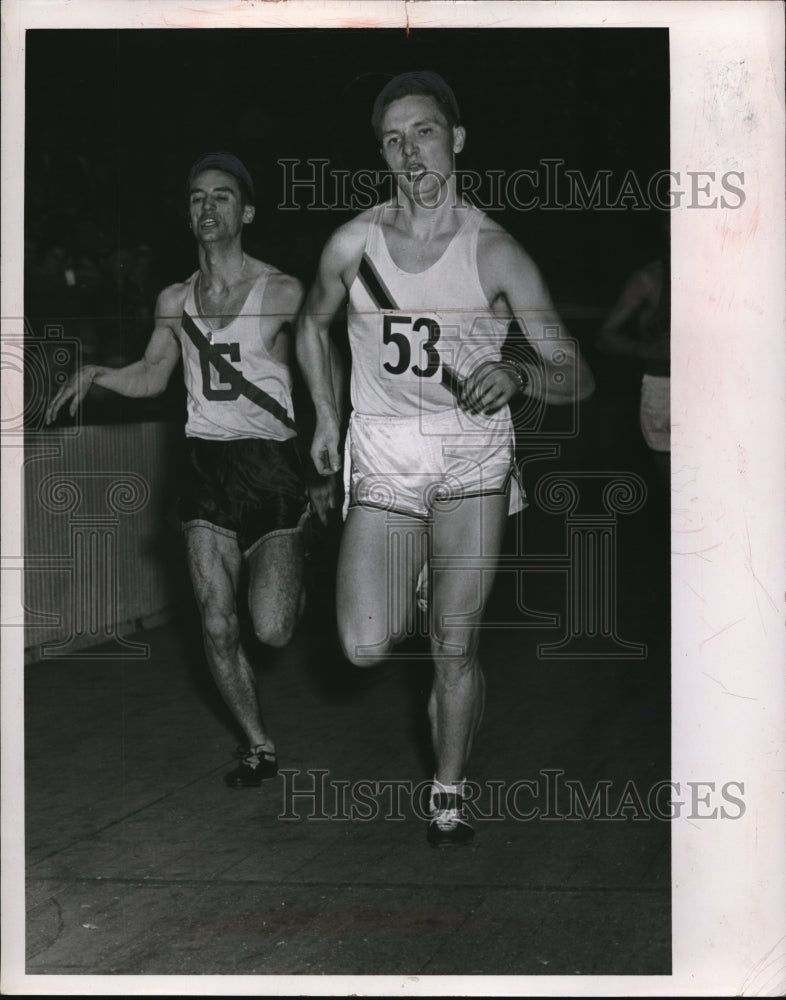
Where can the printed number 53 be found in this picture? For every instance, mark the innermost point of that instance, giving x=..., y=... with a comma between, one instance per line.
x=402, y=342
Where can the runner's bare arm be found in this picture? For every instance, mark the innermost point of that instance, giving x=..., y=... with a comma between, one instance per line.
x=506, y=270
x=283, y=299
x=287, y=300
x=290, y=303
x=315, y=355
x=147, y=377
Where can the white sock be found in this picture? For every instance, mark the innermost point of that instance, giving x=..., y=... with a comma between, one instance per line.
x=438, y=788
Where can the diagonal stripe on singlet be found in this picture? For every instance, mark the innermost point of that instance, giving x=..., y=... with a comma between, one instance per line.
x=374, y=285
x=233, y=376
x=382, y=298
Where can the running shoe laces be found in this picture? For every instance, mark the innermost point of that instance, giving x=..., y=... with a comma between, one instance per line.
x=449, y=825
x=256, y=765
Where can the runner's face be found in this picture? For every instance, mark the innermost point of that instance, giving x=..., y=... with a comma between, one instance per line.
x=419, y=146
x=215, y=207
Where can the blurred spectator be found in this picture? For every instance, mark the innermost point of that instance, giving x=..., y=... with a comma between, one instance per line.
x=100, y=295
x=638, y=326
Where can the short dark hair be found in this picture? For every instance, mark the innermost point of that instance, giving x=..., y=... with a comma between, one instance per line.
x=422, y=82
x=230, y=164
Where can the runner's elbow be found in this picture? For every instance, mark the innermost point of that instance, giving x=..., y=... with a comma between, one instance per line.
x=574, y=389
x=155, y=382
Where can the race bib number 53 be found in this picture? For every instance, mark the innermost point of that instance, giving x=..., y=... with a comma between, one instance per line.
x=410, y=347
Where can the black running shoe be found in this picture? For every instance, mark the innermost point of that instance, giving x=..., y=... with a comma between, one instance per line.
x=256, y=765
x=449, y=826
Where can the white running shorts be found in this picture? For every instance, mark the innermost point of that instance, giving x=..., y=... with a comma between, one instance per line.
x=405, y=464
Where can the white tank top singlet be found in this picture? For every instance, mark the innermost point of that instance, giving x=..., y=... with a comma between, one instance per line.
x=235, y=388
x=413, y=336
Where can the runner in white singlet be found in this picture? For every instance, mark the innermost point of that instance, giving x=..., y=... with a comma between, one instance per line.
x=433, y=285
x=242, y=492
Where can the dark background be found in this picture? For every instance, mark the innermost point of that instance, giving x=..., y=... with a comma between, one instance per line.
x=115, y=118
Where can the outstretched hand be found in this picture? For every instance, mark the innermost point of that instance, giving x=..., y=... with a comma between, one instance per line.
x=75, y=389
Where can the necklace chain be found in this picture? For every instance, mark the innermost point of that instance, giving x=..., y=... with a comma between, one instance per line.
x=202, y=312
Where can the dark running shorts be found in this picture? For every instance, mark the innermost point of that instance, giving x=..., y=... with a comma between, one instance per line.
x=247, y=488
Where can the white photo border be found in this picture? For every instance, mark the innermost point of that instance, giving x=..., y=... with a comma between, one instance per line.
x=728, y=477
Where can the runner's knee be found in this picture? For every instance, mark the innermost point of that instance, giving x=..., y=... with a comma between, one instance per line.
x=222, y=629
x=275, y=631
x=364, y=648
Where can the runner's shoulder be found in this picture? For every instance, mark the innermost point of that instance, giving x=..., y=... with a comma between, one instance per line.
x=494, y=238
x=345, y=246
x=171, y=301
x=497, y=248
x=283, y=293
